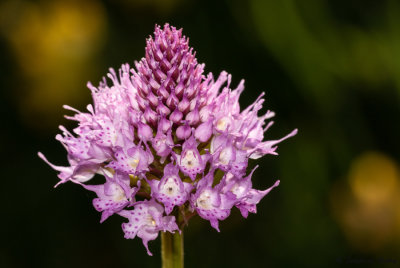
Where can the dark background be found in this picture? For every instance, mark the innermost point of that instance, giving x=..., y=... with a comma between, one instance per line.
x=329, y=68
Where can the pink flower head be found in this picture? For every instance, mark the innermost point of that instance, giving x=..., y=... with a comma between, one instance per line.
x=162, y=134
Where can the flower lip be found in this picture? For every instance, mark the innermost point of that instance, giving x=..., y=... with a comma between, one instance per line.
x=190, y=161
x=222, y=123
x=204, y=200
x=170, y=187
x=170, y=190
x=117, y=193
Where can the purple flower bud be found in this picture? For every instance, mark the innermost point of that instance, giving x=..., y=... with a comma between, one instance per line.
x=162, y=109
x=193, y=117
x=183, y=132
x=204, y=131
x=179, y=89
x=153, y=100
x=172, y=101
x=145, y=132
x=176, y=116
x=164, y=125
x=183, y=105
x=150, y=116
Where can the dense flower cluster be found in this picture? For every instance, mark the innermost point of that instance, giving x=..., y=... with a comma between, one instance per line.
x=170, y=142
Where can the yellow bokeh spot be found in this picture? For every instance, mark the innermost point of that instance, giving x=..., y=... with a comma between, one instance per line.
x=368, y=206
x=374, y=178
x=56, y=45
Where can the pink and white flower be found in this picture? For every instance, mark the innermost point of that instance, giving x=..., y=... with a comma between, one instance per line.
x=160, y=133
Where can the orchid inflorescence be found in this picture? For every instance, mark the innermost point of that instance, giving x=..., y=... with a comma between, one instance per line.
x=170, y=141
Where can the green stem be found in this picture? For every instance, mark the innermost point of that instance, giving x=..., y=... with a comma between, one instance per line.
x=172, y=250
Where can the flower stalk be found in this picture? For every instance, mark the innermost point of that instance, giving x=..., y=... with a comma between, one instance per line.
x=172, y=250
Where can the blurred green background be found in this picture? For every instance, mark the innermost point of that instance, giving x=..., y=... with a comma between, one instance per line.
x=330, y=68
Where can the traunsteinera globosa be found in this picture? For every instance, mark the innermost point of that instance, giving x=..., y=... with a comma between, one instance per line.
x=170, y=141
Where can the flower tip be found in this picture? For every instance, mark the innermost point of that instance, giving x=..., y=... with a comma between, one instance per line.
x=149, y=252
x=146, y=245
x=105, y=215
x=40, y=155
x=215, y=224
x=269, y=115
x=58, y=183
x=89, y=85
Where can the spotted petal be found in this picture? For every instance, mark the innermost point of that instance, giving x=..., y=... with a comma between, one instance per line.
x=145, y=221
x=170, y=190
x=132, y=161
x=113, y=195
x=190, y=161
